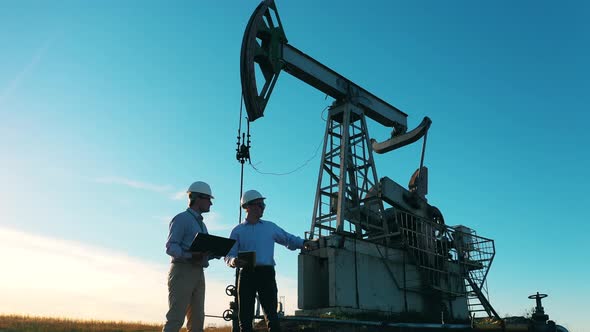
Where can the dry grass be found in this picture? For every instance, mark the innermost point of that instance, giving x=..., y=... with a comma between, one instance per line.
x=17, y=323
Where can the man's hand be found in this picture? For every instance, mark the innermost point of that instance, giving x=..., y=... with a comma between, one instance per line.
x=310, y=245
x=239, y=262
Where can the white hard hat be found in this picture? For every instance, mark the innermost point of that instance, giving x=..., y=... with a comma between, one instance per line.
x=201, y=188
x=249, y=196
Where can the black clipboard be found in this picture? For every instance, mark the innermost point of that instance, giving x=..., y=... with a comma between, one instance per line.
x=216, y=245
x=249, y=257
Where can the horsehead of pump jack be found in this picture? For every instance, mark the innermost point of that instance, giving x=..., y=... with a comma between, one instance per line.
x=265, y=45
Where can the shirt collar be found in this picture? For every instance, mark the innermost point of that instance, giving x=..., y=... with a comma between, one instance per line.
x=245, y=222
x=195, y=213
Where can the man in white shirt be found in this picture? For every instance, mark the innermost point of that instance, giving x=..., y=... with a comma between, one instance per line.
x=186, y=280
x=255, y=234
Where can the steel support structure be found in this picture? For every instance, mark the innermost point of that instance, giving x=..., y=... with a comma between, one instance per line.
x=347, y=173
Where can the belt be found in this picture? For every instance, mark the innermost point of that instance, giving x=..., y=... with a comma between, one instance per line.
x=259, y=268
x=187, y=261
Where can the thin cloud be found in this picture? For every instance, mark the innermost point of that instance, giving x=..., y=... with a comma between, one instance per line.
x=84, y=282
x=179, y=196
x=28, y=68
x=163, y=219
x=133, y=184
x=214, y=222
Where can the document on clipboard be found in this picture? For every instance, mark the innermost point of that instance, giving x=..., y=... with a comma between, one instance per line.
x=216, y=245
x=249, y=257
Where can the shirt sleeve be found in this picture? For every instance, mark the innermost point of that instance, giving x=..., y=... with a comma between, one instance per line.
x=173, y=248
x=233, y=252
x=288, y=240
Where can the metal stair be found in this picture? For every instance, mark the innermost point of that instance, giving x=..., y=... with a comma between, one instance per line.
x=433, y=253
x=475, y=254
x=477, y=302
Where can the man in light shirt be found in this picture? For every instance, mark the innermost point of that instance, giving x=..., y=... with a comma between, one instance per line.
x=186, y=280
x=259, y=236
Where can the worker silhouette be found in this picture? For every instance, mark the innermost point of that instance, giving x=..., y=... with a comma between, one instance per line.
x=259, y=236
x=186, y=280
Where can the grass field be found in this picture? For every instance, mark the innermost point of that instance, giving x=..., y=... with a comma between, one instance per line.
x=16, y=323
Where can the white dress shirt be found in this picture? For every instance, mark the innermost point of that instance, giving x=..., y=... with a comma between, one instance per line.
x=261, y=238
x=183, y=229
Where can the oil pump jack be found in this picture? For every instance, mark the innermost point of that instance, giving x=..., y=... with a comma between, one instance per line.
x=383, y=251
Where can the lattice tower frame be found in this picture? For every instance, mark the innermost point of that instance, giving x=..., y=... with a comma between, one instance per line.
x=347, y=173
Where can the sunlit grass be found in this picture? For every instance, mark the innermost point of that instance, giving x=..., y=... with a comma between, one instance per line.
x=18, y=323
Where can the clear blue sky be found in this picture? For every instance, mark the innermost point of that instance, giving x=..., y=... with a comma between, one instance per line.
x=108, y=110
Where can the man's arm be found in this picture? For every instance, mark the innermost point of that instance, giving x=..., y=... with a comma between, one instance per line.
x=177, y=229
x=233, y=252
x=232, y=259
x=287, y=239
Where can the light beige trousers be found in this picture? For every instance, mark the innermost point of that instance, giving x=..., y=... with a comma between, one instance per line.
x=186, y=296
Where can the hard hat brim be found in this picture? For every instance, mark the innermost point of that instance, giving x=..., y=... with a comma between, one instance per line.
x=252, y=200
x=188, y=192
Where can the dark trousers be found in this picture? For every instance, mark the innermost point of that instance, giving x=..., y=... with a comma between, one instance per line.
x=261, y=280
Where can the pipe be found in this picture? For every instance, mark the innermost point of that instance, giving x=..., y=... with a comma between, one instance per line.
x=374, y=323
